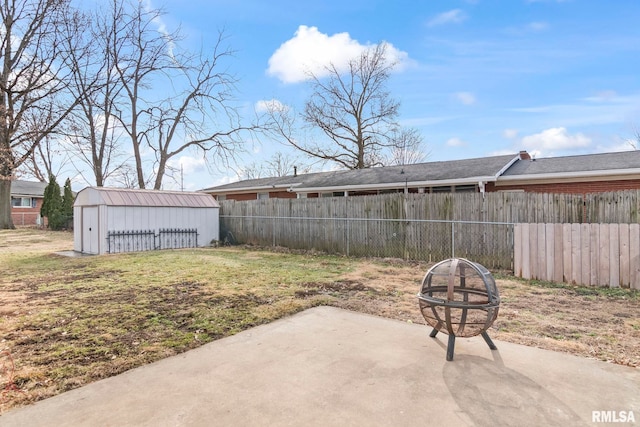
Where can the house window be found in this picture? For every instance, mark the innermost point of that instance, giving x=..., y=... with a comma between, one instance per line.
x=23, y=202
x=221, y=197
x=466, y=188
x=334, y=194
x=442, y=189
x=262, y=196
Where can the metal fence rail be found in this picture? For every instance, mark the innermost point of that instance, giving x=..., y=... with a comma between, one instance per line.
x=148, y=240
x=175, y=238
x=131, y=241
x=489, y=243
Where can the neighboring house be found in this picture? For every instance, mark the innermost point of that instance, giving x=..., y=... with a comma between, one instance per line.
x=26, y=201
x=516, y=172
x=433, y=177
x=590, y=173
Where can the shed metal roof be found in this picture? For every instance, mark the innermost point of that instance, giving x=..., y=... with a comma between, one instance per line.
x=92, y=196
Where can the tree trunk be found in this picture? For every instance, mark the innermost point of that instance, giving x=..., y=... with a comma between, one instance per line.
x=5, y=205
x=161, y=169
x=6, y=174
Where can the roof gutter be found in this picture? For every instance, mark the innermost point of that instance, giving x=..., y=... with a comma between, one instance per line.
x=26, y=195
x=400, y=184
x=252, y=189
x=570, y=175
x=482, y=184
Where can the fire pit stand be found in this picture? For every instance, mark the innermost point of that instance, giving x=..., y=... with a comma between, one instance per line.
x=460, y=298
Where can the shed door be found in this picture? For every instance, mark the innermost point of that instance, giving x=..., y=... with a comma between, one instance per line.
x=90, y=230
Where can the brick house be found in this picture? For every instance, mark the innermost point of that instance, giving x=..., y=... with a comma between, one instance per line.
x=582, y=174
x=26, y=201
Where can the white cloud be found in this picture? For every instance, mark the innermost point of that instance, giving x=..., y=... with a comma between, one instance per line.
x=603, y=96
x=189, y=164
x=162, y=27
x=311, y=51
x=466, y=98
x=510, y=133
x=605, y=107
x=270, y=105
x=455, y=142
x=454, y=16
x=501, y=152
x=525, y=29
x=555, y=139
x=537, y=26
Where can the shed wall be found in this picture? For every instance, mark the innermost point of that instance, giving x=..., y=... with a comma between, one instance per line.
x=121, y=218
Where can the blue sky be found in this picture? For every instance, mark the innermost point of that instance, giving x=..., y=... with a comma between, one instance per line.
x=477, y=78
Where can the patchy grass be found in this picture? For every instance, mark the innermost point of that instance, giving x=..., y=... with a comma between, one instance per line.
x=68, y=321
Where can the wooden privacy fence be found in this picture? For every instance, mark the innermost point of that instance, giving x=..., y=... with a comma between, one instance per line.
x=584, y=254
x=620, y=207
x=492, y=207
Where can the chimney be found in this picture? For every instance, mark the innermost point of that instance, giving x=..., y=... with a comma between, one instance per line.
x=295, y=171
x=524, y=155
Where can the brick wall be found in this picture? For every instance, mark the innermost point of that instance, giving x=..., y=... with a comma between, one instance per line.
x=241, y=197
x=26, y=216
x=571, y=187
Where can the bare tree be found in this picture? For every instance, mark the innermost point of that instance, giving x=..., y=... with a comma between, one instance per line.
x=353, y=109
x=192, y=113
x=408, y=148
x=140, y=55
x=125, y=176
x=278, y=165
x=48, y=159
x=202, y=118
x=32, y=84
x=93, y=130
x=634, y=141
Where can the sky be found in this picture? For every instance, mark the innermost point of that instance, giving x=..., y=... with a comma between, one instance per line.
x=477, y=77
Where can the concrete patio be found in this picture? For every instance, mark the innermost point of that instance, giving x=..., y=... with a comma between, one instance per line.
x=327, y=366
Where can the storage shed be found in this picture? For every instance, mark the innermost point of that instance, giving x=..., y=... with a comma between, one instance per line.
x=109, y=220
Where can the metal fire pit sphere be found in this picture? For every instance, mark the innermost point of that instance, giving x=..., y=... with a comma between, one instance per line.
x=459, y=297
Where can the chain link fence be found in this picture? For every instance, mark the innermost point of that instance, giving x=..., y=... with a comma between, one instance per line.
x=488, y=243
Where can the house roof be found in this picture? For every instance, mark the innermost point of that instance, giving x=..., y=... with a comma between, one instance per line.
x=28, y=188
x=453, y=172
x=281, y=182
x=92, y=196
x=588, y=165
